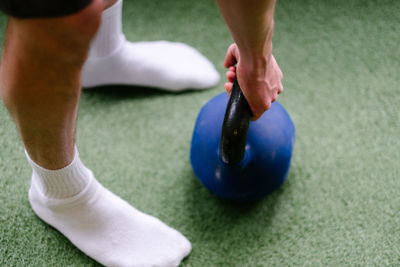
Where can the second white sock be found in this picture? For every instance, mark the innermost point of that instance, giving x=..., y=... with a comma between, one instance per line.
x=165, y=65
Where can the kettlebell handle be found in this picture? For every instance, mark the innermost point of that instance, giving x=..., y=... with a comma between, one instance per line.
x=235, y=127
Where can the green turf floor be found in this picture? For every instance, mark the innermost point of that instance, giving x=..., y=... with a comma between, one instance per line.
x=341, y=203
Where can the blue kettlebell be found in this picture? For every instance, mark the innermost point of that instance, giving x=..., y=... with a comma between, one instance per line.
x=237, y=159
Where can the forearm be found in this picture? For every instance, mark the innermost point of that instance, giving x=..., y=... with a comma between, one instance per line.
x=250, y=58
x=251, y=25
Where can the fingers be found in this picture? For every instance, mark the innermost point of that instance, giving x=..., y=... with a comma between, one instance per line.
x=231, y=57
x=274, y=97
x=257, y=113
x=279, y=74
x=228, y=87
x=260, y=104
x=280, y=88
x=230, y=75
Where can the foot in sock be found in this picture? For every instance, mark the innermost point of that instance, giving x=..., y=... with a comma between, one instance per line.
x=101, y=224
x=165, y=65
x=162, y=64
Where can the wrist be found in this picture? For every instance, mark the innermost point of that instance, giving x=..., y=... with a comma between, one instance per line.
x=258, y=57
x=255, y=64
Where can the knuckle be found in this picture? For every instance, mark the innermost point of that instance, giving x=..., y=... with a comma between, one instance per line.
x=280, y=89
x=266, y=105
x=257, y=116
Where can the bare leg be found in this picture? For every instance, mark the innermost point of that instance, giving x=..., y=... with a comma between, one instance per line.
x=40, y=75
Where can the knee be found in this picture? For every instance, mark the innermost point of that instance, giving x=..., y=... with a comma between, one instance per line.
x=65, y=37
x=80, y=28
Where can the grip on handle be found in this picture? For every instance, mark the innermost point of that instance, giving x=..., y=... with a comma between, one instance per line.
x=235, y=127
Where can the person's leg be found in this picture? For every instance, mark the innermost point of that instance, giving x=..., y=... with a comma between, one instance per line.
x=40, y=75
x=165, y=65
x=40, y=85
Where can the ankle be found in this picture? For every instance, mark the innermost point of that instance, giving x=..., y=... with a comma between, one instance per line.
x=49, y=156
x=61, y=183
x=109, y=36
x=109, y=3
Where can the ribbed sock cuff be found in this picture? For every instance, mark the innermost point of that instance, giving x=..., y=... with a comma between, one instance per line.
x=63, y=183
x=109, y=36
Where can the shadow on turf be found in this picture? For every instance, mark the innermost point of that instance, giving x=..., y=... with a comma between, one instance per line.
x=233, y=227
x=209, y=205
x=116, y=92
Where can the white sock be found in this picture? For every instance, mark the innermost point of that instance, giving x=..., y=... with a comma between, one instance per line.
x=101, y=224
x=63, y=183
x=165, y=65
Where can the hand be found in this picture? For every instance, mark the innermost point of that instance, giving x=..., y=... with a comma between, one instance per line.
x=260, y=79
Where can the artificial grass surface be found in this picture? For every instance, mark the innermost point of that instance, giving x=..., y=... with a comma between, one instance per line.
x=341, y=203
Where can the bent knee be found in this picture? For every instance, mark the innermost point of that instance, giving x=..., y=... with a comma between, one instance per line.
x=68, y=36
x=84, y=24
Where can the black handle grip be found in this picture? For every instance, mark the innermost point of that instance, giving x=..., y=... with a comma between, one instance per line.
x=235, y=127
